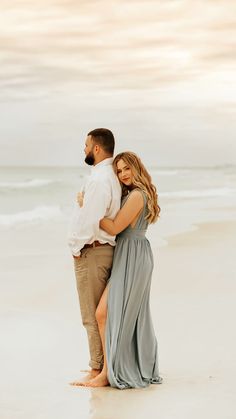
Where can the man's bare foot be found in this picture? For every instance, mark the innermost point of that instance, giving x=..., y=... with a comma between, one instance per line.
x=88, y=377
x=99, y=381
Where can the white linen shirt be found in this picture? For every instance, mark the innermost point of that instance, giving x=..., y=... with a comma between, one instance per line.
x=102, y=197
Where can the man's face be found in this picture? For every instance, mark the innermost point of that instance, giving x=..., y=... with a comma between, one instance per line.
x=89, y=154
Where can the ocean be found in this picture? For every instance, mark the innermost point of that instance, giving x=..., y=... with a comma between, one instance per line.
x=39, y=195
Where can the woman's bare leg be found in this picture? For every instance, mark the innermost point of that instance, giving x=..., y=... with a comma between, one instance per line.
x=101, y=379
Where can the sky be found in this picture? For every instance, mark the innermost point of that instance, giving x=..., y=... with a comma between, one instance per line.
x=160, y=74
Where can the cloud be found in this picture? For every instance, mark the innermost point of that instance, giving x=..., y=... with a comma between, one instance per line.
x=115, y=44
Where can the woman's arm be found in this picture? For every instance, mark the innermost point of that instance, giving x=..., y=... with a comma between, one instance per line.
x=125, y=216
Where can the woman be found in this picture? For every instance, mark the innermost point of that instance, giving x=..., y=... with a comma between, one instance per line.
x=123, y=313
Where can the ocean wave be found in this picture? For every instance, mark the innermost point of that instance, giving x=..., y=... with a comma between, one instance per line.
x=35, y=215
x=217, y=192
x=32, y=183
x=164, y=172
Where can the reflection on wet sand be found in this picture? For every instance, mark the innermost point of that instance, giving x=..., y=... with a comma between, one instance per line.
x=107, y=403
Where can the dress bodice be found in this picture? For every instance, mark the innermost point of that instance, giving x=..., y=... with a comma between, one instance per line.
x=140, y=228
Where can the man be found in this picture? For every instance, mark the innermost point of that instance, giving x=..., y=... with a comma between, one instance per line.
x=91, y=247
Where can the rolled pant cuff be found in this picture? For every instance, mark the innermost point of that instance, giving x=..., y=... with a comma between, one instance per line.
x=95, y=365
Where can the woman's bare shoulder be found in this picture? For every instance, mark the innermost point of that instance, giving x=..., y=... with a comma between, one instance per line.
x=136, y=196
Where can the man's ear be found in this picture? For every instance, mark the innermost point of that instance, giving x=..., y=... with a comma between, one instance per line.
x=96, y=148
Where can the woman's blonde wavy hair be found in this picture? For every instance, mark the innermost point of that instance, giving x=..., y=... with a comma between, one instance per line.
x=141, y=180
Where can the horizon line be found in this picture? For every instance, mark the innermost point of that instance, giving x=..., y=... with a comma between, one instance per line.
x=197, y=166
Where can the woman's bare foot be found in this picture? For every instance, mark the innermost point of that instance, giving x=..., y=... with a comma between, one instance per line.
x=87, y=378
x=94, y=373
x=99, y=381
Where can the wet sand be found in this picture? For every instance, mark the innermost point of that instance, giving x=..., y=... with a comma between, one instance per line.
x=43, y=345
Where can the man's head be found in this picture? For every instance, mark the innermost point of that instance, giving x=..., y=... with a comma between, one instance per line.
x=99, y=145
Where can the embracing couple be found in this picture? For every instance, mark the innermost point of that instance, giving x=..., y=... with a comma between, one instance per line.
x=113, y=265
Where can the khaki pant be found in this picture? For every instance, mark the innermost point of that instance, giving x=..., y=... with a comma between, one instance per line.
x=92, y=271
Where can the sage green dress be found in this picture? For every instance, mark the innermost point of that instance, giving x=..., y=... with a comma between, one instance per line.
x=131, y=345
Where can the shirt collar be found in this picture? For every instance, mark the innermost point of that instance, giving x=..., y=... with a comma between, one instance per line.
x=105, y=162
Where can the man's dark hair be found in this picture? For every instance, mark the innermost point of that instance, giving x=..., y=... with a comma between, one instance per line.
x=104, y=138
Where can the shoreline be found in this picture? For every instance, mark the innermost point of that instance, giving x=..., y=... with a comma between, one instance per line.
x=187, y=219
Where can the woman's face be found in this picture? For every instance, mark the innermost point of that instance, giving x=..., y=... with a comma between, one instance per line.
x=124, y=173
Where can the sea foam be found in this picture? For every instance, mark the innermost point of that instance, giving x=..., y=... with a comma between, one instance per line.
x=217, y=192
x=38, y=214
x=32, y=183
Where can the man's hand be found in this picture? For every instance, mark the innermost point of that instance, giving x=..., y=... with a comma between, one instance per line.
x=80, y=198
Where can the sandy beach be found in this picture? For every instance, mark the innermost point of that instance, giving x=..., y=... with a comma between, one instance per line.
x=43, y=345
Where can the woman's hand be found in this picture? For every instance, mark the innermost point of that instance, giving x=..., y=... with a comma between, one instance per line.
x=80, y=198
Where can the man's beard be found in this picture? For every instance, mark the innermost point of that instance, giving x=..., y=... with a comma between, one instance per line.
x=89, y=159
